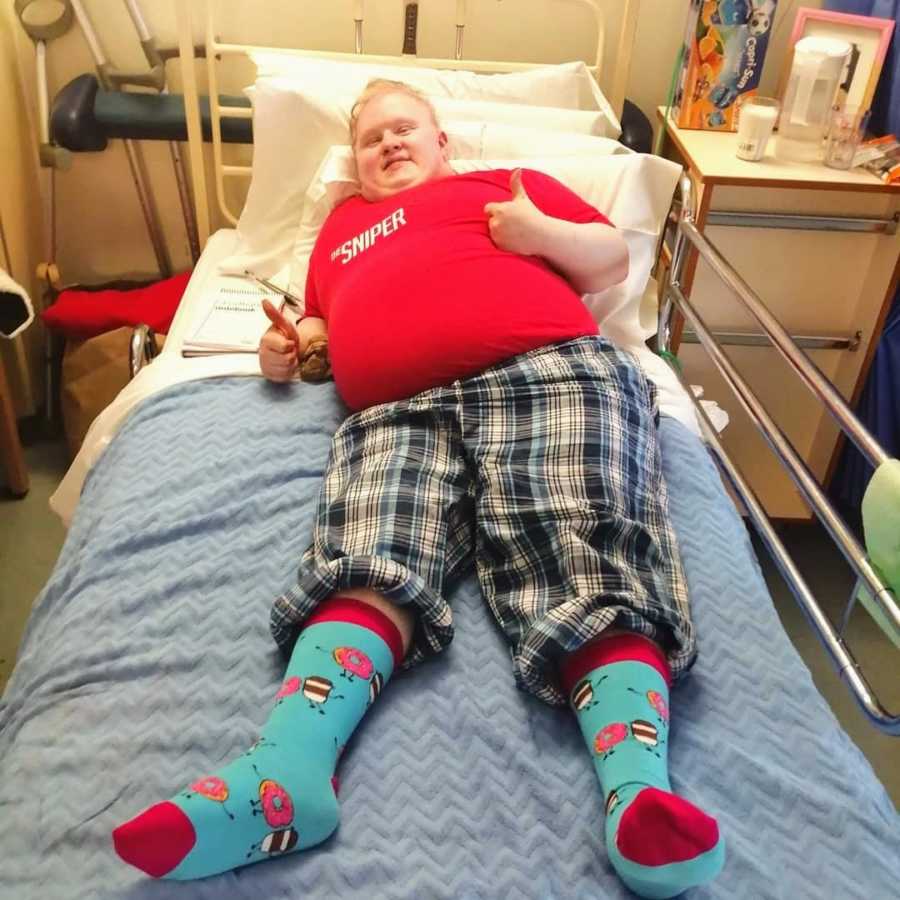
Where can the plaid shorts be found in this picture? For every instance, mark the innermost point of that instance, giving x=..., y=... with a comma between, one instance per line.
x=546, y=470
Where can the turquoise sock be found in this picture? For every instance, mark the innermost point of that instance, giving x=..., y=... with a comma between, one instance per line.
x=658, y=843
x=279, y=796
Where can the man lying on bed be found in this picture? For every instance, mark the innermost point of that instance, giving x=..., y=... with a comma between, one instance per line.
x=491, y=422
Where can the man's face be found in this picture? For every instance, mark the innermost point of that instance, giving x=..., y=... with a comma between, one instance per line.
x=397, y=146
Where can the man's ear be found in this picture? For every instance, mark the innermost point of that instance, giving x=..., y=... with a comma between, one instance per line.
x=444, y=144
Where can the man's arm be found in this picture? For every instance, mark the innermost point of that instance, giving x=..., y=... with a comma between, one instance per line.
x=310, y=330
x=591, y=256
x=314, y=363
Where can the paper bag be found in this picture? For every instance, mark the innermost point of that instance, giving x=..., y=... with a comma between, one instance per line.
x=93, y=373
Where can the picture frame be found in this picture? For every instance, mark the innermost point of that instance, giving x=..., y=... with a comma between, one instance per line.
x=867, y=35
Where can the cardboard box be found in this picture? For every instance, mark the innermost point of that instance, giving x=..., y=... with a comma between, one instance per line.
x=725, y=45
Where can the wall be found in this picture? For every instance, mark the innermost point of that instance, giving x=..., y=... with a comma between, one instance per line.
x=100, y=229
x=20, y=207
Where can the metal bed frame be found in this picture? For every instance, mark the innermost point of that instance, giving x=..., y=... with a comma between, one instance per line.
x=687, y=240
x=215, y=50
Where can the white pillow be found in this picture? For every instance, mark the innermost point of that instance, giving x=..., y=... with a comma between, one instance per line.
x=508, y=141
x=555, y=118
x=633, y=189
x=568, y=85
x=293, y=127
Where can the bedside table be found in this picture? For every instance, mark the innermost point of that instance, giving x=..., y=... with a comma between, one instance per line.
x=11, y=456
x=821, y=247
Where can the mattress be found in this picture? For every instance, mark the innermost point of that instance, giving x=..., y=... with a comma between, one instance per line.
x=171, y=368
x=168, y=369
x=147, y=662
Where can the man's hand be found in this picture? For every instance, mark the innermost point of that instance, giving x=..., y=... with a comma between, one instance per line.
x=517, y=225
x=279, y=347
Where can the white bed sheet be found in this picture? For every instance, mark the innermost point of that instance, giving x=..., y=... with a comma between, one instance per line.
x=170, y=368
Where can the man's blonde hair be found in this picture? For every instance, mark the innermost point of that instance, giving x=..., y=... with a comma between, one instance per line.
x=378, y=86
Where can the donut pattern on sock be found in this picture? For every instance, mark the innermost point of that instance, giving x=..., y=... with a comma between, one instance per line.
x=212, y=788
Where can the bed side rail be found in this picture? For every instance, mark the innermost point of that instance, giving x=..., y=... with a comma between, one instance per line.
x=688, y=237
x=142, y=348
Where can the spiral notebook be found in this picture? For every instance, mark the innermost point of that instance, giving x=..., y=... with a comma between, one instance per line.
x=234, y=321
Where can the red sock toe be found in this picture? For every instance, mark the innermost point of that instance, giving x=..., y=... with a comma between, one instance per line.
x=156, y=840
x=659, y=828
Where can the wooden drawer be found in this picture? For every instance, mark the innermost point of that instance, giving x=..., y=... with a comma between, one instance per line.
x=815, y=283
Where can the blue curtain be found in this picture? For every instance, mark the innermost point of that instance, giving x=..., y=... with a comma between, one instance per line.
x=879, y=405
x=879, y=411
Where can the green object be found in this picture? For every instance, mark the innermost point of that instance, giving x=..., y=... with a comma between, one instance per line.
x=657, y=147
x=671, y=359
x=881, y=524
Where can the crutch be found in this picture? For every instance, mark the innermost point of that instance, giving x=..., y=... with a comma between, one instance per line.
x=157, y=65
x=44, y=22
x=110, y=77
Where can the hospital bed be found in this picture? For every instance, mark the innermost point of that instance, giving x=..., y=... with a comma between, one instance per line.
x=147, y=661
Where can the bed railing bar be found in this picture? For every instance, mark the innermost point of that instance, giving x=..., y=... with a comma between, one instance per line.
x=798, y=222
x=470, y=65
x=842, y=658
x=358, y=25
x=808, y=372
x=186, y=58
x=840, y=655
x=682, y=207
x=215, y=119
x=214, y=50
x=806, y=341
x=237, y=171
x=796, y=467
x=461, y=5
x=460, y=27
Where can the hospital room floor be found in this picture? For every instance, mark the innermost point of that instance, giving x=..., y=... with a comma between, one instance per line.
x=31, y=537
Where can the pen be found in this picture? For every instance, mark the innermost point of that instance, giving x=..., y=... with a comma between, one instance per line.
x=289, y=298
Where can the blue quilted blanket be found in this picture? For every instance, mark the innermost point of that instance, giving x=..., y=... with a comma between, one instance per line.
x=147, y=661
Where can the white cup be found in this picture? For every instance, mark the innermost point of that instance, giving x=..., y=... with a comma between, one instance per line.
x=756, y=121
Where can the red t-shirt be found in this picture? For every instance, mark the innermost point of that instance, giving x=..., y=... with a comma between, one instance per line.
x=416, y=294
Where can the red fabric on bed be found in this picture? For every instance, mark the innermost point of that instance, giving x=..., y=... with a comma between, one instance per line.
x=84, y=314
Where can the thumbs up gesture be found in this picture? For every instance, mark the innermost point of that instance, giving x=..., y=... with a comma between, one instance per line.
x=286, y=349
x=516, y=225
x=279, y=347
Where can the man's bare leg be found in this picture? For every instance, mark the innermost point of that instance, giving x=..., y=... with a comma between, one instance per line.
x=401, y=616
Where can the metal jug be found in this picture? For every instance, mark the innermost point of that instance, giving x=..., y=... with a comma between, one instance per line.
x=809, y=98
